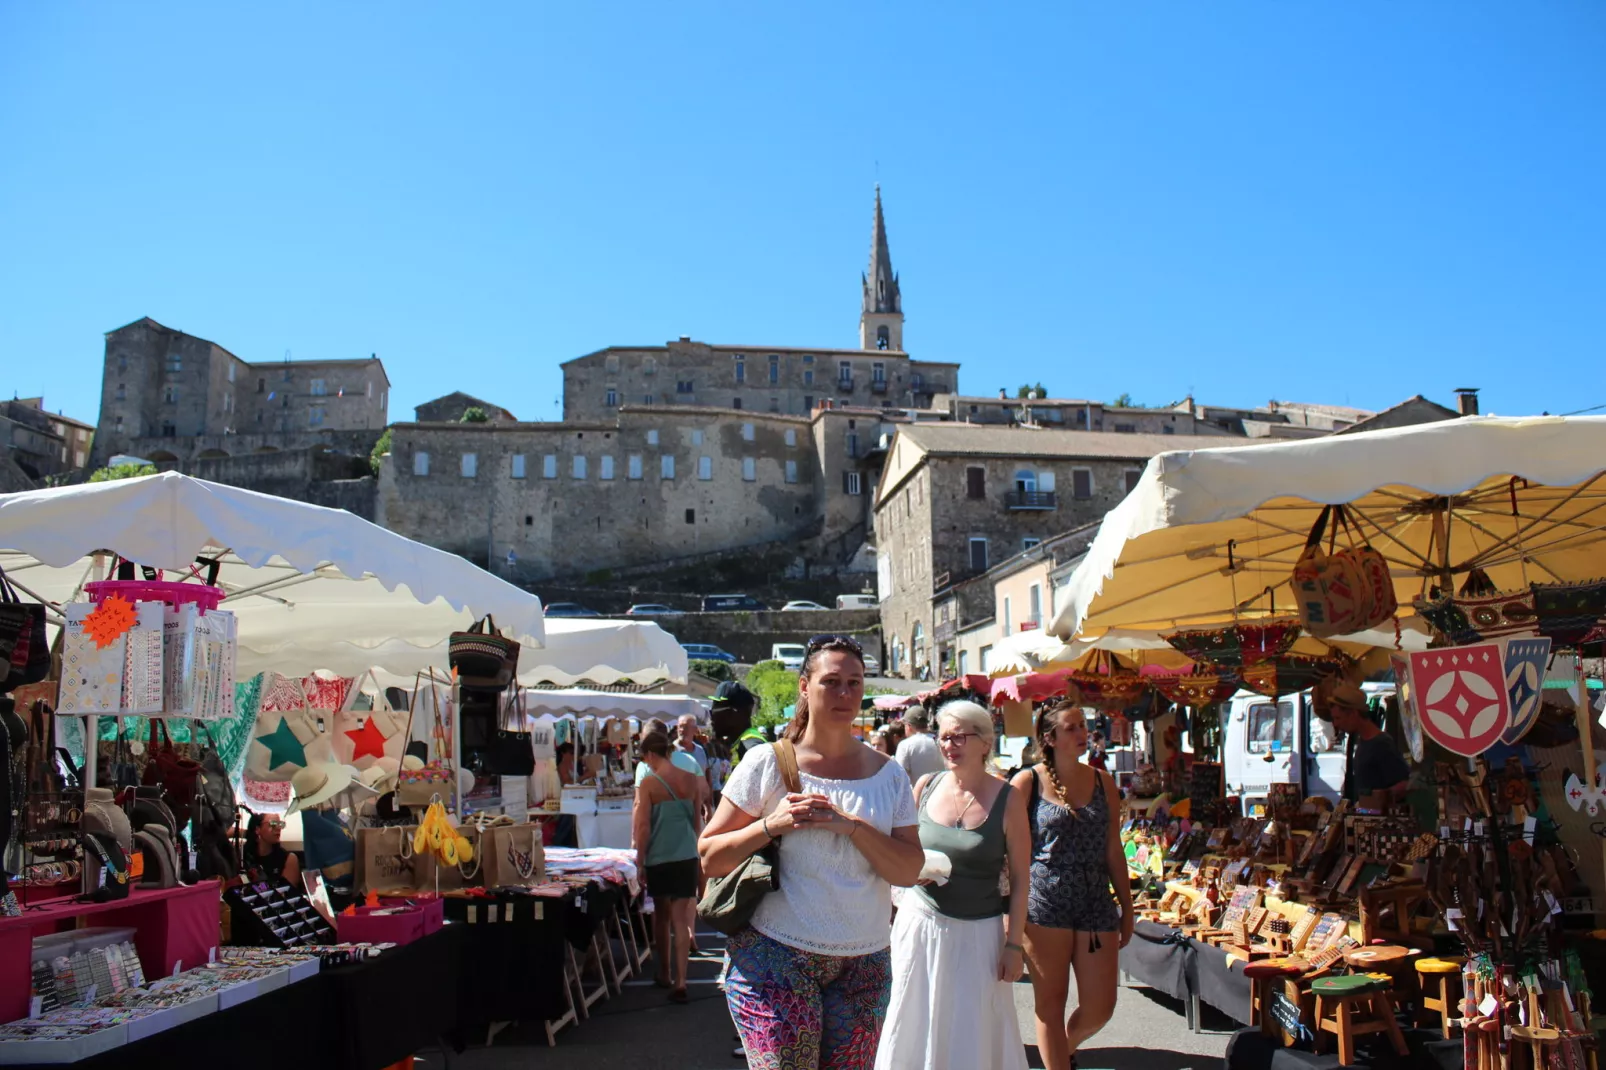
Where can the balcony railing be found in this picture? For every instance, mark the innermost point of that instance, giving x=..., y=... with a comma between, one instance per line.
x=1030, y=499
x=878, y=386
x=845, y=385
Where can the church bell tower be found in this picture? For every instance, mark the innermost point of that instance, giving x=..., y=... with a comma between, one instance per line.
x=881, y=316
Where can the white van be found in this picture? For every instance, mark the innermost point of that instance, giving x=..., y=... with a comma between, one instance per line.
x=790, y=655
x=1282, y=741
x=856, y=601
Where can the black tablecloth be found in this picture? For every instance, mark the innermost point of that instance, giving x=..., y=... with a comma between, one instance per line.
x=511, y=970
x=1158, y=958
x=390, y=1007
x=1219, y=984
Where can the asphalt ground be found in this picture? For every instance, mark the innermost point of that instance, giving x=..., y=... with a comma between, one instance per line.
x=641, y=1030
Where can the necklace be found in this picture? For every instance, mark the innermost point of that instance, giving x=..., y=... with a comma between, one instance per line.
x=959, y=822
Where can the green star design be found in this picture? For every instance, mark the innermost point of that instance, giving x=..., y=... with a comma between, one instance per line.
x=283, y=746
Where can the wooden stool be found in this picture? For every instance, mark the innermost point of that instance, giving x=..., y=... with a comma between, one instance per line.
x=1354, y=1006
x=1441, y=989
x=1263, y=978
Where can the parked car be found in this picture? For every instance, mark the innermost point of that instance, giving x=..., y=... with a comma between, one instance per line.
x=872, y=667
x=791, y=607
x=856, y=601
x=790, y=655
x=653, y=609
x=570, y=609
x=724, y=603
x=707, y=652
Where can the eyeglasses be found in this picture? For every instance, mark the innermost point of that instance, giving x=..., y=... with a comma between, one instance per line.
x=956, y=737
x=820, y=642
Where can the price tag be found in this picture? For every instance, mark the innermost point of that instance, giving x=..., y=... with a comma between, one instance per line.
x=1488, y=1006
x=1555, y=907
x=35, y=1006
x=211, y=955
x=540, y=911
x=473, y=913
x=491, y=913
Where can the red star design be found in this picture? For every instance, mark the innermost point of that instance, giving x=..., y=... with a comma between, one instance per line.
x=368, y=740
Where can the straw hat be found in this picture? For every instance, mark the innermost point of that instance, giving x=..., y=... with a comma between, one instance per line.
x=379, y=777
x=318, y=783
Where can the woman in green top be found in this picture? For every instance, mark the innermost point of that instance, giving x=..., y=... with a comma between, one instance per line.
x=666, y=824
x=956, y=945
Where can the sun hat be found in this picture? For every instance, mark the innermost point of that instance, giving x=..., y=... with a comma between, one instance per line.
x=379, y=777
x=317, y=783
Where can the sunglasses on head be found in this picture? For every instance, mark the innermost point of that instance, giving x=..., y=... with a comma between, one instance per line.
x=820, y=642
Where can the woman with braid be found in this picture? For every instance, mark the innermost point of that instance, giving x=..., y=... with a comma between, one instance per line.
x=1072, y=917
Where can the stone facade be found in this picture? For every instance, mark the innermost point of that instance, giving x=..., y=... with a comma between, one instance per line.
x=955, y=500
x=536, y=500
x=1071, y=414
x=200, y=400
x=450, y=409
x=784, y=381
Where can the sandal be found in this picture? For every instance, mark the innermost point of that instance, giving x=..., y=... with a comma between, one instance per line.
x=661, y=982
x=679, y=995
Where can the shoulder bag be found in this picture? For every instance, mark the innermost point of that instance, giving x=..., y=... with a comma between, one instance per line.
x=482, y=657
x=510, y=753
x=730, y=901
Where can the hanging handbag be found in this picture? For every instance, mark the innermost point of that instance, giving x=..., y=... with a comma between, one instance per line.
x=174, y=772
x=214, y=810
x=483, y=658
x=510, y=753
x=122, y=771
x=418, y=787
x=730, y=901
x=24, y=653
x=285, y=741
x=1340, y=591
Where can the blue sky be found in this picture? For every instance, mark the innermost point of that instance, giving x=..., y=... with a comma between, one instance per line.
x=1342, y=202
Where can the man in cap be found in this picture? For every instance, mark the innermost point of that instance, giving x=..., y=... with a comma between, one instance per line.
x=918, y=753
x=1376, y=776
x=732, y=719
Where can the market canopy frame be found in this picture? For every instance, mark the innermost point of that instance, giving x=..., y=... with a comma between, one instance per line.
x=1212, y=536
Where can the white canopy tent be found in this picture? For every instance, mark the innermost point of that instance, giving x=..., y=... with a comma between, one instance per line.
x=601, y=651
x=297, y=575
x=579, y=704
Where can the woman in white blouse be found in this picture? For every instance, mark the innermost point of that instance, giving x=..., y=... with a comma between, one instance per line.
x=809, y=981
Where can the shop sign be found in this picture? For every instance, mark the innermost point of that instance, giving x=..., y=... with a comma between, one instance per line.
x=1286, y=1013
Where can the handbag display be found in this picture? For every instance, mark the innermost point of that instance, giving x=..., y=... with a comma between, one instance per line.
x=362, y=737
x=1341, y=590
x=214, y=809
x=286, y=741
x=438, y=777
x=482, y=657
x=509, y=753
x=386, y=862
x=24, y=652
x=730, y=901
x=172, y=771
x=513, y=856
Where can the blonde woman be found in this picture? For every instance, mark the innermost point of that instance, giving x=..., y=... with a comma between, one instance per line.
x=957, y=945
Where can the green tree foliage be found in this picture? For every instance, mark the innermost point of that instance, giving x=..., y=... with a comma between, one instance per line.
x=714, y=670
x=121, y=471
x=1028, y=391
x=1125, y=402
x=381, y=448
x=474, y=415
x=775, y=688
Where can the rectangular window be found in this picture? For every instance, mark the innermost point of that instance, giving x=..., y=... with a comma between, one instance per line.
x=1168, y=430
x=318, y=388
x=286, y=376
x=612, y=398
x=747, y=432
x=170, y=395
x=315, y=416
x=666, y=466
x=646, y=399
x=175, y=362
x=549, y=466
x=736, y=403
x=775, y=369
x=844, y=371
x=1035, y=595
x=705, y=468
x=775, y=404
x=808, y=376
x=791, y=471
x=749, y=469
x=853, y=443
x=611, y=362
x=470, y=465
x=122, y=392
x=850, y=483
x=579, y=469
x=1081, y=483
x=1028, y=542
x=518, y=466
x=697, y=438
x=420, y=463
x=878, y=372
x=975, y=482
x=685, y=386
x=964, y=662
x=1007, y=614
x=652, y=438
x=633, y=466
x=1133, y=475
x=978, y=555
x=791, y=437
x=741, y=370
x=370, y=388
x=605, y=467
x=119, y=423
x=1126, y=429
x=691, y=516
x=231, y=373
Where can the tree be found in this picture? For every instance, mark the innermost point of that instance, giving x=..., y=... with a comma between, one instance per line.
x=714, y=670
x=1124, y=402
x=1028, y=392
x=775, y=688
x=381, y=448
x=474, y=415
x=121, y=471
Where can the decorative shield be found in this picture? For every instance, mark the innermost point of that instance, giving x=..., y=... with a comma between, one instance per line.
x=1410, y=719
x=1461, y=696
x=1525, y=681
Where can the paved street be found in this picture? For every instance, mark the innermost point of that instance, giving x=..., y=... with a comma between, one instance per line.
x=640, y=1030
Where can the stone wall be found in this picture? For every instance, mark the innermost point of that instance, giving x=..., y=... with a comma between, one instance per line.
x=751, y=635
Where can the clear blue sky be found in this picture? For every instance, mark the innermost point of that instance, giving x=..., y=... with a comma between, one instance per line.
x=1344, y=202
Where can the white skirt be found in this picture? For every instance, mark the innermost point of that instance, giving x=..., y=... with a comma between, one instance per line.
x=949, y=1010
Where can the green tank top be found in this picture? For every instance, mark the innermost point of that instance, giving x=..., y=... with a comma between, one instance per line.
x=977, y=855
x=673, y=837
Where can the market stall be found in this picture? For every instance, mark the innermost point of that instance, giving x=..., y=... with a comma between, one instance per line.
x=1451, y=569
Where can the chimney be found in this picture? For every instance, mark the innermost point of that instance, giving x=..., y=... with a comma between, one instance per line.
x=1466, y=399
x=1003, y=395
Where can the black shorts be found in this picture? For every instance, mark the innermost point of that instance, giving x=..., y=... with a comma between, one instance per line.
x=673, y=880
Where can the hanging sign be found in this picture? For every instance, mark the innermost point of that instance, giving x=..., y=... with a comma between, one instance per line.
x=1461, y=696
x=1525, y=681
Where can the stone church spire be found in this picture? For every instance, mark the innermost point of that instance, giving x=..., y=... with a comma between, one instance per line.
x=881, y=314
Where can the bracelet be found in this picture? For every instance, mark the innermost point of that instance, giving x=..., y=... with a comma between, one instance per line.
x=764, y=823
x=1014, y=947
x=856, y=826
